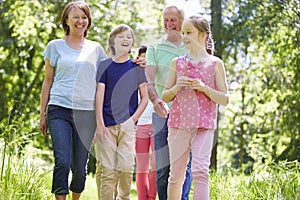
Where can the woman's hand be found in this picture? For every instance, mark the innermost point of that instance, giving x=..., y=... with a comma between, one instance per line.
x=43, y=124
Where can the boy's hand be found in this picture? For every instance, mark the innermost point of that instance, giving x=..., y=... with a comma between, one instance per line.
x=100, y=133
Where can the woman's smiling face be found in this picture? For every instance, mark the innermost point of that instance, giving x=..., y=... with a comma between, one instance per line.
x=77, y=21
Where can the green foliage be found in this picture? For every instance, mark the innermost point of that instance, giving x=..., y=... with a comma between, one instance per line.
x=262, y=60
x=268, y=181
x=142, y=16
x=27, y=27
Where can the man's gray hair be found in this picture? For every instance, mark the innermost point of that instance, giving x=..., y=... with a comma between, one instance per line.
x=180, y=11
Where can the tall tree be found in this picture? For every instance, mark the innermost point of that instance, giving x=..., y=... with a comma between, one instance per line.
x=216, y=27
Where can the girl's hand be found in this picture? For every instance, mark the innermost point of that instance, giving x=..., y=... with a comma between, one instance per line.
x=182, y=81
x=170, y=93
x=197, y=84
x=101, y=133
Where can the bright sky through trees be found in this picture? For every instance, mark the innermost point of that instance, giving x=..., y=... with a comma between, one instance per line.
x=190, y=7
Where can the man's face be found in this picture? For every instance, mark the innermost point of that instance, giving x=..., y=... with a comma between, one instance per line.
x=172, y=20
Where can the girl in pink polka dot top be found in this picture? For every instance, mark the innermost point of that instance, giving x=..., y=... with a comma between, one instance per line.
x=196, y=84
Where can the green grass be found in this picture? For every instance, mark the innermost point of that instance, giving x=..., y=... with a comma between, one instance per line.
x=271, y=181
x=27, y=177
x=268, y=182
x=22, y=178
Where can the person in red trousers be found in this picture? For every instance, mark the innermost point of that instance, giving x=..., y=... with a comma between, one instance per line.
x=145, y=177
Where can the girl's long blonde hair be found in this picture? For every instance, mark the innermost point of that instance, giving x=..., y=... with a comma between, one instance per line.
x=203, y=26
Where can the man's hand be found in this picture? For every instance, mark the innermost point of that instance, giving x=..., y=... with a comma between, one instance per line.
x=161, y=108
x=140, y=61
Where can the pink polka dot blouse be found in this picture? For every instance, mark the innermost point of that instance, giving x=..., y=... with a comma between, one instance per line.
x=191, y=108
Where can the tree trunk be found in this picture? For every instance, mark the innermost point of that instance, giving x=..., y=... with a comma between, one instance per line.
x=216, y=27
x=242, y=132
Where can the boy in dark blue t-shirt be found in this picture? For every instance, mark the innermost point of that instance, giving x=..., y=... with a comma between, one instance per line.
x=117, y=112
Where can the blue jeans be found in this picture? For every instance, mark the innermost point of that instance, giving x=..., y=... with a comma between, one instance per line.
x=160, y=131
x=71, y=132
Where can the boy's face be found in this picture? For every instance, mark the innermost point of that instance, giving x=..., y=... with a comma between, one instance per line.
x=123, y=42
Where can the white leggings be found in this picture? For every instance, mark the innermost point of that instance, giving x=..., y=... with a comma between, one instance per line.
x=200, y=142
